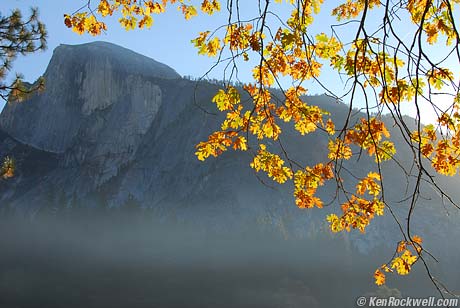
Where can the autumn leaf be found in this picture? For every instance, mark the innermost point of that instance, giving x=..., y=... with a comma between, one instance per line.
x=189, y=11
x=210, y=6
x=67, y=21
x=155, y=7
x=379, y=277
x=330, y=127
x=225, y=100
x=417, y=239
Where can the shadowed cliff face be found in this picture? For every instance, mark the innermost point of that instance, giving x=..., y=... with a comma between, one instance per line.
x=114, y=128
x=99, y=101
x=82, y=81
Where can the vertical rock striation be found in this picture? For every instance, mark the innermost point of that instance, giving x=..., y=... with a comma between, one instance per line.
x=100, y=99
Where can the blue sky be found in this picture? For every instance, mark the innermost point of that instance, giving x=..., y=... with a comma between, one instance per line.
x=168, y=40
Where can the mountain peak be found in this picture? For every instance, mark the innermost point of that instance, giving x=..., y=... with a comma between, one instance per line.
x=90, y=88
x=124, y=59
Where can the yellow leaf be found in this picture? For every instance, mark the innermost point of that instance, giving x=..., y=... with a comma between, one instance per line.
x=305, y=127
x=334, y=223
x=189, y=11
x=226, y=100
x=330, y=127
x=209, y=7
x=104, y=8
x=379, y=277
x=339, y=150
x=262, y=75
x=146, y=21
x=240, y=143
x=403, y=263
x=213, y=47
x=155, y=7
x=401, y=246
x=408, y=258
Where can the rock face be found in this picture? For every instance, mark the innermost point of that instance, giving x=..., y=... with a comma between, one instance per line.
x=83, y=81
x=118, y=126
x=99, y=94
x=114, y=127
